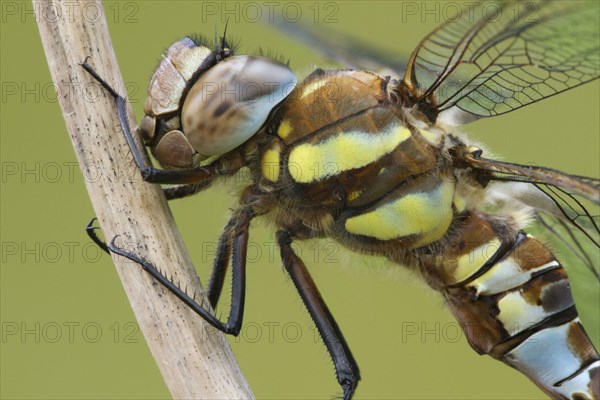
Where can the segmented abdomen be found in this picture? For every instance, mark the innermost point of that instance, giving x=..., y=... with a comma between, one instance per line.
x=513, y=300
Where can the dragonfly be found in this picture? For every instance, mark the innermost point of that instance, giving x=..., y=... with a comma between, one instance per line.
x=378, y=163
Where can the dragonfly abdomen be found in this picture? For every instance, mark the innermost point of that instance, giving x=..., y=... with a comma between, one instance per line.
x=513, y=300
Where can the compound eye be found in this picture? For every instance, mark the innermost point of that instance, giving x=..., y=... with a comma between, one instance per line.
x=232, y=100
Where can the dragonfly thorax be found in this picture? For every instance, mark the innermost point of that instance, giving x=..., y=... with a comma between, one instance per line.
x=340, y=149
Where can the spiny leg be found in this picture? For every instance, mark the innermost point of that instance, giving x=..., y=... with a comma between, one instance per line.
x=172, y=287
x=255, y=204
x=346, y=368
x=217, y=277
x=90, y=229
x=241, y=225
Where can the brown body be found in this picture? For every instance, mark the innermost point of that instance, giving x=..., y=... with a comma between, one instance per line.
x=375, y=164
x=324, y=192
x=488, y=270
x=346, y=157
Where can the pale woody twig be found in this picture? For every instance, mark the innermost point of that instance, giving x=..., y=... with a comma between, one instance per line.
x=194, y=359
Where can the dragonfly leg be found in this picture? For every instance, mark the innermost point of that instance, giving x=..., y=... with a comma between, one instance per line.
x=346, y=368
x=240, y=223
x=217, y=277
x=226, y=165
x=90, y=229
x=233, y=243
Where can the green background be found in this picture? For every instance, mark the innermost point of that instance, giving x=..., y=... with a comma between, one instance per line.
x=67, y=328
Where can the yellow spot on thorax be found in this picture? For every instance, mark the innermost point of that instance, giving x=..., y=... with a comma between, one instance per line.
x=270, y=164
x=427, y=214
x=284, y=129
x=310, y=162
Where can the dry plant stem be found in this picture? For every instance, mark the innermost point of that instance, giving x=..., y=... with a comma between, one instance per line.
x=194, y=359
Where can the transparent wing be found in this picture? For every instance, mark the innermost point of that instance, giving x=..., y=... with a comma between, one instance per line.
x=566, y=206
x=496, y=57
x=342, y=49
x=580, y=258
x=576, y=244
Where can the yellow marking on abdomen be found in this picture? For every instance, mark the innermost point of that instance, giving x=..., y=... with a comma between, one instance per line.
x=270, y=163
x=310, y=162
x=425, y=213
x=471, y=262
x=519, y=311
x=505, y=275
x=516, y=314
